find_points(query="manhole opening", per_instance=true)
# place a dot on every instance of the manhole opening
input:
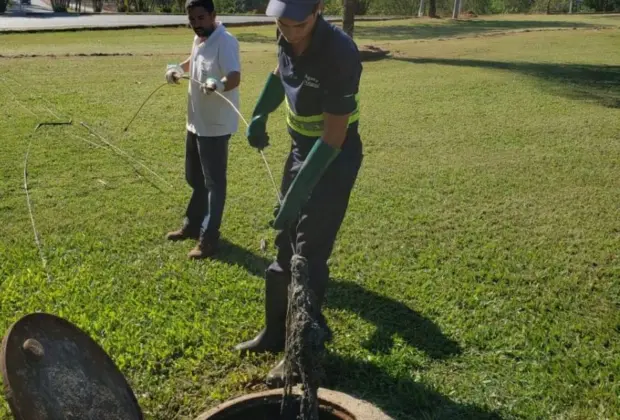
(268, 408)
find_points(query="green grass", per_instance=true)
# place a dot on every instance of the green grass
(475, 276)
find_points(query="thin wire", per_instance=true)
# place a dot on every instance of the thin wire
(41, 98)
(271, 177)
(27, 190)
(115, 148)
(145, 101)
(273, 181)
(34, 228)
(122, 152)
(25, 172)
(87, 141)
(18, 101)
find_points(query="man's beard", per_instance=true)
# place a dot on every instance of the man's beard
(204, 32)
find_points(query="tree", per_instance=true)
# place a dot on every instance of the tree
(348, 16)
(421, 9)
(3, 6)
(456, 9)
(60, 5)
(432, 8)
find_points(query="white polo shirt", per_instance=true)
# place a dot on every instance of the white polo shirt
(218, 55)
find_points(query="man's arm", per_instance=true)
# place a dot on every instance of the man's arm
(335, 129)
(185, 64)
(230, 64)
(231, 80)
(341, 87)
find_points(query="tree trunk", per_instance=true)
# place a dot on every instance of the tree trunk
(348, 16)
(421, 9)
(432, 8)
(456, 9)
(570, 6)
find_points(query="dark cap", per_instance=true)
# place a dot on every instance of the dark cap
(297, 10)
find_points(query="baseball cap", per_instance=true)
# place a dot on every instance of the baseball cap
(297, 10)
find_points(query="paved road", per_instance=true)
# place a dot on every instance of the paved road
(39, 17)
(51, 21)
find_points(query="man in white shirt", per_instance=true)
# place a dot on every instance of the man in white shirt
(213, 65)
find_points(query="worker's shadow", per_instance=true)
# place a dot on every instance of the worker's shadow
(401, 397)
(398, 396)
(389, 316)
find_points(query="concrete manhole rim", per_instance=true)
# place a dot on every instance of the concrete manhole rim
(357, 408)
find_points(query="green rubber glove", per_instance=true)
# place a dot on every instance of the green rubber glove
(319, 158)
(269, 100)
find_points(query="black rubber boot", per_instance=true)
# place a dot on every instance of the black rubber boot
(319, 287)
(272, 337)
(275, 377)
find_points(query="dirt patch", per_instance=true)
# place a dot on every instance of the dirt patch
(372, 53)
(467, 15)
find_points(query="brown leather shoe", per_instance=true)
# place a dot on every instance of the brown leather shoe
(182, 234)
(203, 249)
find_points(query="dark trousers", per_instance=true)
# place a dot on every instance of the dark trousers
(206, 161)
(314, 233)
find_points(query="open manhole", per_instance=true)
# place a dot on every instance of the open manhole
(333, 405)
(51, 369)
(267, 407)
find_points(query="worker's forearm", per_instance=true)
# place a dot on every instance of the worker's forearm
(185, 64)
(231, 80)
(335, 129)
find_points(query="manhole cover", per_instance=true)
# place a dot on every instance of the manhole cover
(52, 370)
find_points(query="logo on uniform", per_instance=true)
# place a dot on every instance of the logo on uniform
(311, 82)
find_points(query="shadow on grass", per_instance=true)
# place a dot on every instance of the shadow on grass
(455, 28)
(388, 315)
(391, 317)
(233, 254)
(438, 30)
(605, 16)
(588, 82)
(253, 37)
(400, 397)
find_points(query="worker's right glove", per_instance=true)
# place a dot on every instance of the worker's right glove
(269, 100)
(174, 72)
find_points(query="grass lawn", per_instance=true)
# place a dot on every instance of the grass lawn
(476, 274)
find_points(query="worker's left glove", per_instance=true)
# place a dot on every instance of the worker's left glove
(317, 161)
(212, 85)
